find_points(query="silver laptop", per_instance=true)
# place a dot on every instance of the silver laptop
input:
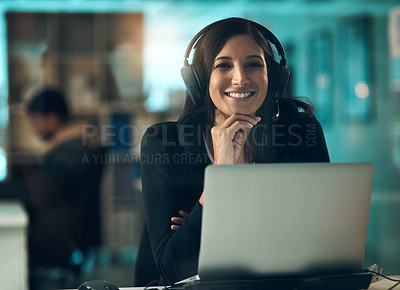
(269, 220)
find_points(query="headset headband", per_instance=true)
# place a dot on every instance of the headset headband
(269, 36)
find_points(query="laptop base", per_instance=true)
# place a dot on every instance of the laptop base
(334, 282)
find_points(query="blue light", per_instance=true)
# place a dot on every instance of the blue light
(4, 117)
(3, 114)
(3, 164)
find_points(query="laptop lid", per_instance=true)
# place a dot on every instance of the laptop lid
(263, 220)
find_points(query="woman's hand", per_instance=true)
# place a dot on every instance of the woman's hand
(178, 220)
(229, 136)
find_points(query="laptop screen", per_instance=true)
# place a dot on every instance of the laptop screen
(262, 220)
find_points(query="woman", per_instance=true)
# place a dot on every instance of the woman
(238, 120)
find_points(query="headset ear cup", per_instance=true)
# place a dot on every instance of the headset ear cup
(273, 76)
(190, 80)
(201, 82)
(284, 75)
(278, 78)
(192, 77)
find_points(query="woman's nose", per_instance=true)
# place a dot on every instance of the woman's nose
(239, 77)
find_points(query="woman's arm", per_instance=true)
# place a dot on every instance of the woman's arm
(165, 192)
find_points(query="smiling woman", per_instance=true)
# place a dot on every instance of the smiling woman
(236, 112)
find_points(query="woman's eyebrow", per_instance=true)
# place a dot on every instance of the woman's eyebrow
(223, 57)
(247, 57)
(254, 56)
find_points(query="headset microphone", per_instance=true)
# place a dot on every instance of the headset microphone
(275, 117)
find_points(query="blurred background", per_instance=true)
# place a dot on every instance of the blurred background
(118, 62)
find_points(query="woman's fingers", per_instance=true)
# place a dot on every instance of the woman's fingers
(178, 220)
(174, 227)
(239, 137)
(183, 213)
(227, 120)
(223, 134)
(239, 117)
(239, 126)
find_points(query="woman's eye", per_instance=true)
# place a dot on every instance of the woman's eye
(222, 65)
(255, 64)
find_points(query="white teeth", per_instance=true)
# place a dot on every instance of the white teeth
(239, 95)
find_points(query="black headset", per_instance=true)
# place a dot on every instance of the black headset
(191, 73)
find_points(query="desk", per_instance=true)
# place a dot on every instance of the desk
(13, 246)
(385, 284)
(381, 285)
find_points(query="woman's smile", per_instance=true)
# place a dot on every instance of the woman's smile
(239, 95)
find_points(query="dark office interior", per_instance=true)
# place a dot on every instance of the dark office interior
(118, 63)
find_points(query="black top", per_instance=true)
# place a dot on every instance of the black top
(64, 192)
(174, 156)
(75, 171)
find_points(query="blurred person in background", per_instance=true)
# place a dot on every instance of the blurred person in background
(64, 189)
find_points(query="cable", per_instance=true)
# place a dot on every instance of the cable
(383, 276)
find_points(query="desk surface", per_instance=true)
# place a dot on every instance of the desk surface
(385, 284)
(381, 285)
(12, 214)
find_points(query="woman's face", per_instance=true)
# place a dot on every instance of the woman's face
(239, 78)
